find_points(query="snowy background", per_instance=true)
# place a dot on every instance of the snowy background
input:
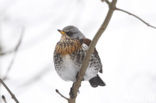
(127, 50)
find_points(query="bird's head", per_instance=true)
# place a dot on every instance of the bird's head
(72, 31)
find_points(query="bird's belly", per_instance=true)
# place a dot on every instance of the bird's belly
(69, 70)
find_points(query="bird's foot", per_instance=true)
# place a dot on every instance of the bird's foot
(77, 75)
(71, 93)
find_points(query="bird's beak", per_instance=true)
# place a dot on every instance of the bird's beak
(62, 32)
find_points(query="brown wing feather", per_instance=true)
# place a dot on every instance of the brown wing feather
(87, 42)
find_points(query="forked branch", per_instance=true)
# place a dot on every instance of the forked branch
(84, 66)
(112, 8)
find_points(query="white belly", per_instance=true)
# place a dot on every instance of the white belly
(69, 69)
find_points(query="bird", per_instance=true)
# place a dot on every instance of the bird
(69, 54)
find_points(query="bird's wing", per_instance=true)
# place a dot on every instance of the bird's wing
(87, 42)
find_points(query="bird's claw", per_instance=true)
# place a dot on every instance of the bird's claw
(71, 93)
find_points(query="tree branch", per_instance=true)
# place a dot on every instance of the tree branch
(7, 52)
(6, 87)
(106, 1)
(92, 45)
(112, 8)
(4, 99)
(143, 21)
(15, 53)
(17, 46)
(57, 91)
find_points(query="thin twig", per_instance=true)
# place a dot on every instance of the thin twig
(92, 45)
(106, 1)
(15, 53)
(17, 46)
(7, 52)
(136, 17)
(57, 91)
(12, 95)
(4, 99)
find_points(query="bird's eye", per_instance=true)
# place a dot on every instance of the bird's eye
(69, 33)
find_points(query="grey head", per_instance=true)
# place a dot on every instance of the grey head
(73, 32)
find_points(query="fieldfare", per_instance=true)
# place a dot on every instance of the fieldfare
(69, 54)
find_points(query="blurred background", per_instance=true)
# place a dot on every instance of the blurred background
(28, 35)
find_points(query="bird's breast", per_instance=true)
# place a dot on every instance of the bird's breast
(67, 46)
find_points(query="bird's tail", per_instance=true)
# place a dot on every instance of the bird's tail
(96, 81)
